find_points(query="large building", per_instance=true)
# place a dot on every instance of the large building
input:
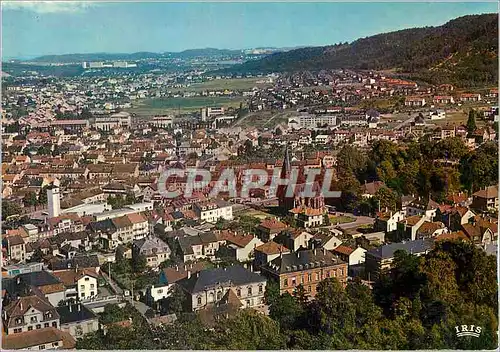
(307, 268)
(210, 286)
(162, 121)
(311, 121)
(212, 211)
(108, 123)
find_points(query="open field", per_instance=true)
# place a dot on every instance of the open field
(150, 107)
(340, 219)
(257, 214)
(265, 119)
(242, 84)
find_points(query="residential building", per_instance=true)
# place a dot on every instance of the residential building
(43, 339)
(153, 249)
(381, 258)
(29, 313)
(305, 267)
(267, 252)
(80, 284)
(270, 228)
(212, 211)
(209, 286)
(486, 199)
(77, 320)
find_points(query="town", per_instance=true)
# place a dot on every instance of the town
(386, 231)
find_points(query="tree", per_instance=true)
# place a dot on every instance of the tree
(42, 196)
(471, 121)
(250, 330)
(29, 199)
(10, 208)
(139, 263)
(386, 197)
(287, 311)
(113, 313)
(175, 303)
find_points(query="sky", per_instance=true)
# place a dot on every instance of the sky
(30, 29)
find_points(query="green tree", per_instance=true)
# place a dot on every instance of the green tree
(10, 208)
(30, 199)
(471, 121)
(175, 303)
(139, 263)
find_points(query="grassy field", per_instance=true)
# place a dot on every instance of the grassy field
(150, 107)
(340, 219)
(229, 84)
(265, 119)
(257, 214)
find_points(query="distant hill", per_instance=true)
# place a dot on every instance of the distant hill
(207, 52)
(463, 51)
(78, 58)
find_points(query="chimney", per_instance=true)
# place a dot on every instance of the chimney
(189, 274)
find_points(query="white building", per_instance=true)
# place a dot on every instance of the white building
(437, 115)
(162, 121)
(311, 121)
(54, 202)
(212, 211)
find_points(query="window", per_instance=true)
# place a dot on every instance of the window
(87, 279)
(261, 288)
(238, 292)
(49, 315)
(294, 281)
(248, 303)
(82, 295)
(55, 344)
(199, 300)
(341, 272)
(308, 288)
(38, 326)
(41, 347)
(249, 291)
(34, 319)
(219, 295)
(82, 287)
(160, 291)
(309, 277)
(92, 293)
(30, 328)
(92, 285)
(334, 273)
(317, 276)
(285, 282)
(46, 325)
(211, 297)
(54, 324)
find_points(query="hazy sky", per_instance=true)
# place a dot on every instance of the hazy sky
(31, 29)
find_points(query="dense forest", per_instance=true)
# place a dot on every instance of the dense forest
(463, 51)
(414, 306)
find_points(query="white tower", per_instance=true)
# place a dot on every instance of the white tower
(54, 202)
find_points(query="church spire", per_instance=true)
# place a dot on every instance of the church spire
(286, 168)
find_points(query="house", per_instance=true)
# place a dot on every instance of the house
(470, 97)
(388, 221)
(415, 101)
(369, 189)
(325, 240)
(480, 232)
(46, 338)
(81, 261)
(267, 252)
(305, 267)
(153, 249)
(212, 211)
(203, 245)
(16, 248)
(43, 282)
(456, 217)
(241, 246)
(350, 255)
(209, 286)
(29, 313)
(294, 239)
(77, 320)
(443, 99)
(381, 258)
(431, 229)
(308, 217)
(452, 236)
(486, 199)
(437, 114)
(421, 206)
(408, 227)
(269, 228)
(80, 284)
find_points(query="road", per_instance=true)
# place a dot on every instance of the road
(360, 220)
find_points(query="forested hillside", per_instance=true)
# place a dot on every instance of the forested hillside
(463, 51)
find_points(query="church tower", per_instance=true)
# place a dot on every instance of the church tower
(285, 202)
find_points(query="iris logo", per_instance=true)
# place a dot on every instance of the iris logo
(468, 330)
